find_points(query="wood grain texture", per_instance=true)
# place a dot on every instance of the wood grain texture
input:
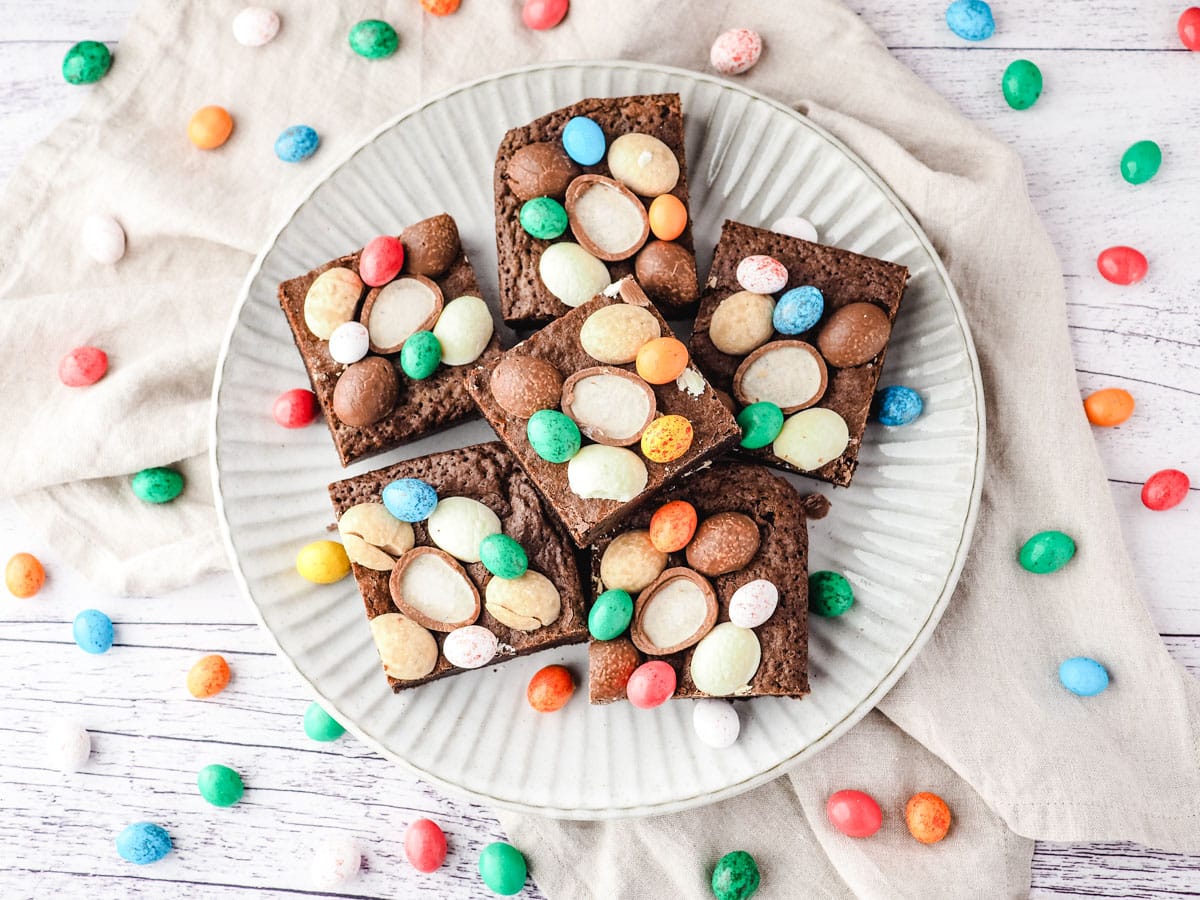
(1115, 73)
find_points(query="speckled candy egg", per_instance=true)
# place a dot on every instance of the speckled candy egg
(323, 562)
(543, 218)
(86, 62)
(1046, 552)
(1165, 489)
(716, 723)
(1109, 407)
(672, 526)
(753, 603)
(83, 366)
(553, 436)
(971, 20)
(24, 575)
(927, 817)
(1122, 265)
(762, 274)
(220, 785)
(297, 143)
(1083, 676)
(373, 39)
(410, 499)
(651, 684)
(735, 51)
(610, 615)
(208, 677)
(666, 439)
(143, 843)
(502, 556)
(897, 405)
(335, 862)
(425, 845)
(255, 26)
(93, 631)
(829, 594)
(470, 647)
(349, 343)
(798, 310)
(735, 876)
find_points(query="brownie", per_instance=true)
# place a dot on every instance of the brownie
(714, 429)
(524, 300)
(423, 407)
(782, 558)
(487, 473)
(843, 278)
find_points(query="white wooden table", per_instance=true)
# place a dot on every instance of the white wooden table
(1115, 73)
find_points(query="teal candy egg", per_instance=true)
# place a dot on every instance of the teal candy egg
(760, 423)
(420, 355)
(143, 842)
(735, 877)
(373, 39)
(502, 556)
(220, 785)
(502, 868)
(544, 218)
(829, 594)
(553, 436)
(1022, 84)
(320, 725)
(1083, 676)
(157, 485)
(1046, 552)
(86, 62)
(1140, 162)
(610, 615)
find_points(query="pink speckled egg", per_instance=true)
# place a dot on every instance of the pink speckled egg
(470, 647)
(651, 684)
(762, 274)
(753, 603)
(736, 51)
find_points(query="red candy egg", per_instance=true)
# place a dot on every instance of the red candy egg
(854, 813)
(651, 684)
(425, 845)
(1189, 27)
(542, 14)
(295, 408)
(381, 260)
(82, 366)
(1165, 489)
(1122, 265)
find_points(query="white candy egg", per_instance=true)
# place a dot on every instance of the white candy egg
(716, 722)
(103, 239)
(255, 26)
(797, 227)
(68, 745)
(753, 603)
(335, 862)
(470, 647)
(349, 342)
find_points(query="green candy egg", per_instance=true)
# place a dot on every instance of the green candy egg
(735, 877)
(502, 868)
(1046, 552)
(760, 423)
(829, 594)
(610, 615)
(553, 436)
(1022, 84)
(373, 39)
(543, 218)
(502, 556)
(420, 355)
(320, 725)
(86, 62)
(157, 485)
(1140, 162)
(220, 785)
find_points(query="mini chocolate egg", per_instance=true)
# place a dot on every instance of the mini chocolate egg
(798, 310)
(631, 562)
(610, 615)
(735, 876)
(543, 218)
(584, 140)
(210, 127)
(797, 227)
(571, 273)
(644, 164)
(716, 723)
(651, 684)
(611, 663)
(599, 472)
(220, 785)
(366, 392)
(726, 660)
(24, 575)
(668, 217)
(68, 745)
(297, 143)
(425, 845)
(522, 385)
(158, 484)
(321, 726)
(971, 20)
(854, 813)
(323, 562)
(103, 238)
(1108, 407)
(812, 438)
(927, 817)
(753, 603)
(553, 436)
(255, 26)
(349, 343)
(503, 869)
(614, 334)
(1122, 265)
(762, 274)
(93, 631)
(83, 366)
(854, 334)
(667, 438)
(760, 423)
(829, 594)
(86, 62)
(336, 862)
(735, 51)
(503, 556)
(672, 526)
(606, 218)
(550, 688)
(399, 310)
(410, 499)
(421, 355)
(464, 329)
(470, 647)
(1046, 552)
(430, 246)
(667, 272)
(143, 843)
(741, 323)
(610, 405)
(540, 169)
(541, 15)
(381, 260)
(1083, 676)
(897, 405)
(662, 360)
(1165, 489)
(295, 408)
(373, 39)
(790, 374)
(724, 542)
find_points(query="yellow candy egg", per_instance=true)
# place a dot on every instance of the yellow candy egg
(666, 439)
(323, 562)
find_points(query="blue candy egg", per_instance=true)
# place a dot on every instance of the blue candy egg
(296, 143)
(971, 20)
(1083, 676)
(93, 631)
(798, 310)
(410, 499)
(143, 842)
(897, 405)
(584, 141)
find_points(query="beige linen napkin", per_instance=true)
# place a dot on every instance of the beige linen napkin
(979, 718)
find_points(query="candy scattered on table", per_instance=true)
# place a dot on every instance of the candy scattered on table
(854, 813)
(550, 688)
(1022, 84)
(323, 562)
(439, 7)
(610, 615)
(1140, 162)
(93, 631)
(410, 499)
(208, 676)
(584, 140)
(795, 226)
(543, 218)
(425, 845)
(210, 127)
(220, 785)
(335, 862)
(1046, 552)
(297, 143)
(320, 725)
(1122, 265)
(927, 817)
(143, 843)
(971, 20)
(1165, 489)
(157, 485)
(543, 14)
(1083, 676)
(86, 62)
(103, 238)
(735, 876)
(762, 274)
(68, 745)
(502, 868)
(829, 594)
(295, 408)
(374, 39)
(255, 26)
(1109, 407)
(83, 366)
(897, 405)
(24, 575)
(716, 723)
(736, 51)
(651, 684)
(1189, 27)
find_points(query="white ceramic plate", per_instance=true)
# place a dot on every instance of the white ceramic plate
(900, 533)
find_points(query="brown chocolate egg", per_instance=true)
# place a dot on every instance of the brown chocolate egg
(723, 543)
(430, 246)
(524, 384)
(541, 169)
(610, 663)
(366, 392)
(667, 273)
(854, 334)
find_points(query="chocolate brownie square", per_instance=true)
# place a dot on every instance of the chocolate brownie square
(751, 528)
(488, 474)
(825, 375)
(676, 425)
(434, 263)
(532, 164)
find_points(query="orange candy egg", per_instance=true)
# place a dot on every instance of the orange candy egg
(668, 217)
(662, 360)
(440, 7)
(672, 526)
(210, 127)
(550, 688)
(1109, 407)
(666, 439)
(927, 817)
(208, 677)
(24, 575)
